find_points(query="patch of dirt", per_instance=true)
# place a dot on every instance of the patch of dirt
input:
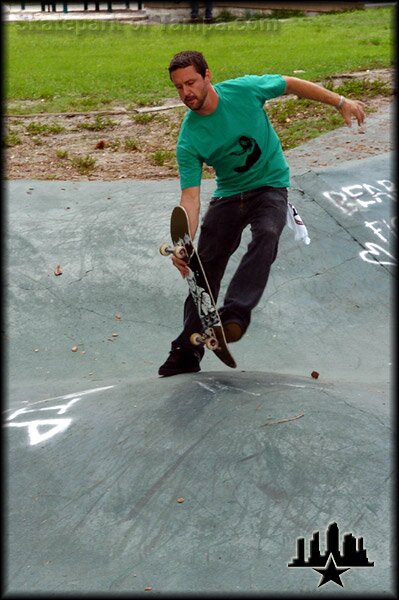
(132, 146)
(119, 144)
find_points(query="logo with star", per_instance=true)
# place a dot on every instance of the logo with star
(331, 572)
(332, 563)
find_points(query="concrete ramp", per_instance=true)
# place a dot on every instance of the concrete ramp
(121, 481)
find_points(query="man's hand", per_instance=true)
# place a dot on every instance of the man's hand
(352, 109)
(181, 265)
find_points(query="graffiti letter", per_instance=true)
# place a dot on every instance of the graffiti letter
(376, 230)
(376, 250)
(35, 437)
(340, 200)
(388, 185)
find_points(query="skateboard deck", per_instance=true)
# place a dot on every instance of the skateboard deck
(212, 334)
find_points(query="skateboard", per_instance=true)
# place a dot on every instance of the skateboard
(212, 334)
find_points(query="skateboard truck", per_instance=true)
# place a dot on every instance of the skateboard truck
(210, 341)
(178, 251)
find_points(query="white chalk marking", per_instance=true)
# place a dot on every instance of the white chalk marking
(35, 437)
(376, 250)
(56, 425)
(68, 396)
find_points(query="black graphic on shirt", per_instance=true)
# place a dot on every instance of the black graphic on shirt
(251, 149)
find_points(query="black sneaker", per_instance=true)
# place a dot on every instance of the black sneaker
(180, 360)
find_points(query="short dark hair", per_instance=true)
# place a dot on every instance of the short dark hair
(189, 58)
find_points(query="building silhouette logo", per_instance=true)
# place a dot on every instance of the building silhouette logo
(332, 563)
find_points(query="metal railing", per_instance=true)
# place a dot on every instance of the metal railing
(53, 6)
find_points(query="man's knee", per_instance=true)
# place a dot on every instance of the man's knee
(268, 234)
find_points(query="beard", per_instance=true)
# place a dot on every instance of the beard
(195, 102)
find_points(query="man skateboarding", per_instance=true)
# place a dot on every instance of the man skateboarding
(228, 128)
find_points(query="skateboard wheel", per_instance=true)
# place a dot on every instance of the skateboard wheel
(196, 339)
(212, 343)
(180, 252)
(164, 249)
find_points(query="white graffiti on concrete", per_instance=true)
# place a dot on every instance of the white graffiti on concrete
(51, 426)
(361, 197)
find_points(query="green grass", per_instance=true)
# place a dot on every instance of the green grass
(130, 144)
(143, 118)
(35, 128)
(11, 138)
(84, 164)
(61, 154)
(159, 157)
(85, 65)
(98, 124)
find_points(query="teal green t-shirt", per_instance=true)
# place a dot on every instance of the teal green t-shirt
(237, 139)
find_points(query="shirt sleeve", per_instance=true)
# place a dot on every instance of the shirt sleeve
(190, 167)
(267, 86)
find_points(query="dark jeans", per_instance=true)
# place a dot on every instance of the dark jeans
(265, 210)
(195, 9)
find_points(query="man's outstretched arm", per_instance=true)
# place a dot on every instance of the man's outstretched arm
(306, 89)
